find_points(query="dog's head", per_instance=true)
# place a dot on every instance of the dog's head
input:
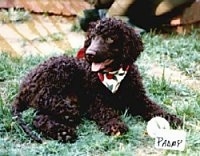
(111, 44)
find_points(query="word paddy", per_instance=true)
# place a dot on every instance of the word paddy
(170, 139)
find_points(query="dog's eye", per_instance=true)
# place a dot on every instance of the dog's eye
(109, 40)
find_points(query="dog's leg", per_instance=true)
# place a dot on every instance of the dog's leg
(148, 109)
(151, 109)
(51, 127)
(58, 114)
(107, 118)
(141, 104)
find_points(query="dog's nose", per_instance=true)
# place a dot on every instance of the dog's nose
(89, 56)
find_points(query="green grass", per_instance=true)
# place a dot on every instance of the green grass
(175, 98)
(182, 51)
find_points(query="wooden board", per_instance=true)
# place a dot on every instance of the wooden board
(57, 7)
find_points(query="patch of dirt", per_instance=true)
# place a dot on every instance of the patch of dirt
(174, 75)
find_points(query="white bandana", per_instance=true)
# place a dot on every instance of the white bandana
(112, 80)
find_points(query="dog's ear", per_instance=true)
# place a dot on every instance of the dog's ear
(90, 28)
(133, 45)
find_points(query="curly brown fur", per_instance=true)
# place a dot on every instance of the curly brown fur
(63, 89)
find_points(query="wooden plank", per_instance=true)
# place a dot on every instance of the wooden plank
(58, 7)
(15, 40)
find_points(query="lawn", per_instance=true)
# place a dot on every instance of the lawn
(179, 53)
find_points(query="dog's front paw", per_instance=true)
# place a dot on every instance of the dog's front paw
(115, 127)
(174, 120)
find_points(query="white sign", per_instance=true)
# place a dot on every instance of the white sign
(170, 139)
(155, 124)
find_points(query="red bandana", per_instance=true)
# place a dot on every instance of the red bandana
(81, 53)
(112, 80)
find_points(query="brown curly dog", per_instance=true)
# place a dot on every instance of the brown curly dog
(101, 86)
